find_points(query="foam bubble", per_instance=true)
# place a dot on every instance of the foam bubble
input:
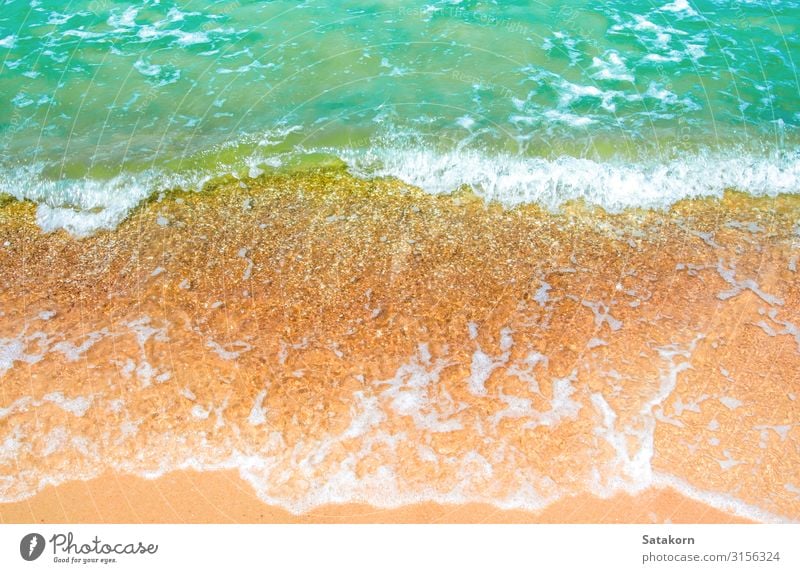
(184, 39)
(602, 315)
(16, 350)
(562, 405)
(718, 500)
(126, 19)
(57, 19)
(73, 352)
(739, 286)
(613, 185)
(730, 403)
(226, 354)
(611, 68)
(84, 206)
(409, 393)
(258, 412)
(76, 406)
(199, 412)
(480, 370)
(541, 295)
(679, 7)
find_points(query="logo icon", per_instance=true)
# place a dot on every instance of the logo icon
(31, 546)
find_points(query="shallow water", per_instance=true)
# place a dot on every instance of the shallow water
(622, 103)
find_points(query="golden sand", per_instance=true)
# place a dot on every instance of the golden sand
(223, 497)
(335, 340)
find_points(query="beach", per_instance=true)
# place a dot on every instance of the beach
(223, 497)
(320, 347)
(425, 262)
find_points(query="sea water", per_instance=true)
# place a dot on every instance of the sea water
(621, 103)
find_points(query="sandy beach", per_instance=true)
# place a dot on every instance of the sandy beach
(223, 497)
(317, 346)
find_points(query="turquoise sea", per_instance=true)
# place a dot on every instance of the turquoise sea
(637, 103)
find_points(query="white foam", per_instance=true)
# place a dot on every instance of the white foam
(146, 69)
(73, 352)
(85, 206)
(506, 340)
(184, 39)
(466, 122)
(680, 407)
(19, 404)
(54, 440)
(15, 350)
(8, 42)
(11, 350)
(249, 267)
(789, 328)
(379, 488)
(480, 370)
(561, 405)
(516, 407)
(568, 118)
(258, 413)
(144, 331)
(9, 450)
(596, 342)
(613, 185)
(602, 315)
(365, 415)
(679, 7)
(224, 352)
(636, 469)
(76, 406)
(126, 19)
(57, 19)
(738, 286)
(728, 462)
(525, 370)
(781, 430)
(730, 403)
(718, 500)
(409, 393)
(483, 365)
(21, 100)
(611, 68)
(542, 295)
(569, 44)
(176, 15)
(199, 412)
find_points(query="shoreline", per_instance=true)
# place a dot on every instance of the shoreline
(345, 339)
(223, 497)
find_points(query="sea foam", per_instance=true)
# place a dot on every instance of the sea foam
(614, 185)
(88, 205)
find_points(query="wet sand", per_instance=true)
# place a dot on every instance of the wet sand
(335, 341)
(223, 497)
